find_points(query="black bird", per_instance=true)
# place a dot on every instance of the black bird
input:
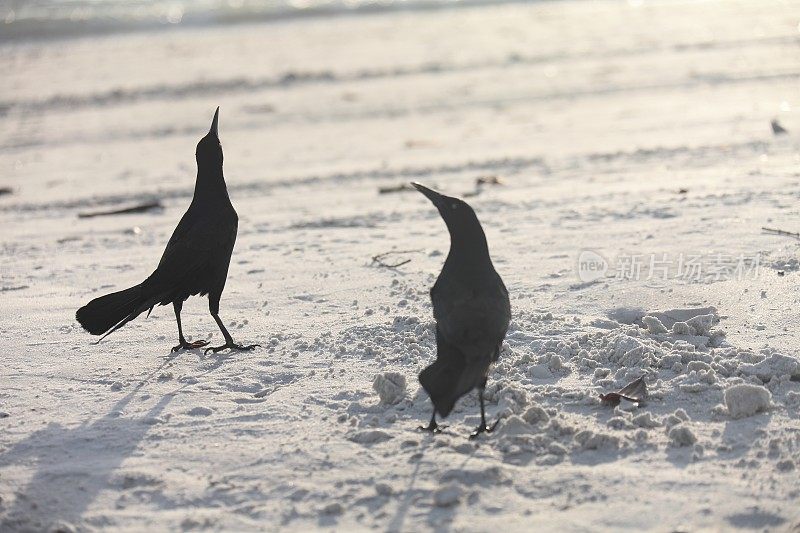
(195, 261)
(472, 312)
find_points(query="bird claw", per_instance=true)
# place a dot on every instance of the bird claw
(433, 429)
(232, 346)
(483, 429)
(189, 346)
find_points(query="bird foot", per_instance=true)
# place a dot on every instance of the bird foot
(433, 428)
(232, 346)
(483, 429)
(189, 345)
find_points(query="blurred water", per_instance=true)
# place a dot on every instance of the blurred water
(21, 19)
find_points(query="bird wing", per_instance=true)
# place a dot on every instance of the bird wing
(194, 245)
(473, 319)
(202, 231)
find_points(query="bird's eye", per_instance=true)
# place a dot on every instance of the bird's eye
(454, 206)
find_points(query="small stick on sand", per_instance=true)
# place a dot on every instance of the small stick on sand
(481, 181)
(379, 259)
(141, 208)
(489, 180)
(400, 187)
(775, 231)
(395, 188)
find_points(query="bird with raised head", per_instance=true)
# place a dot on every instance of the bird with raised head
(471, 309)
(195, 261)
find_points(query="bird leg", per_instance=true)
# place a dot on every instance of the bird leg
(184, 344)
(482, 427)
(229, 344)
(432, 427)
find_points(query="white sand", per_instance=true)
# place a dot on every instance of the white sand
(744, 399)
(595, 114)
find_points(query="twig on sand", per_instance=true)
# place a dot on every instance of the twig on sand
(395, 188)
(489, 180)
(141, 208)
(380, 258)
(401, 187)
(775, 231)
(481, 182)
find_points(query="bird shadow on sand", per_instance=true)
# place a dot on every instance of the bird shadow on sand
(410, 494)
(73, 465)
(440, 518)
(213, 361)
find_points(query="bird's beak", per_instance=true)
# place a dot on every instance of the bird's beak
(432, 195)
(215, 124)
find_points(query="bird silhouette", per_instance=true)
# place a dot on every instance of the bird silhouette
(471, 309)
(195, 261)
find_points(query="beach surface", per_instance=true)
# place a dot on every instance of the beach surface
(636, 165)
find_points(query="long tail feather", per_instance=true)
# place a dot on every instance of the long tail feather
(108, 313)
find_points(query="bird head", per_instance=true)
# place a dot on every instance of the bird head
(209, 149)
(461, 220)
